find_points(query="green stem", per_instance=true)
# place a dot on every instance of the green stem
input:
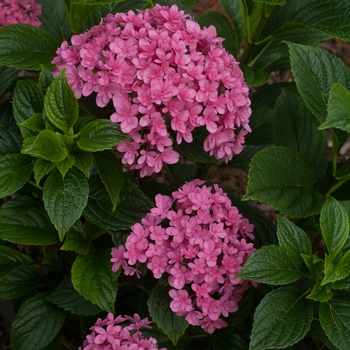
(35, 185)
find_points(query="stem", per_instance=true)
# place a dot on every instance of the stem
(35, 185)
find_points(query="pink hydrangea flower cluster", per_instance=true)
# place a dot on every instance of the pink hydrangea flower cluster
(19, 11)
(113, 334)
(200, 240)
(163, 73)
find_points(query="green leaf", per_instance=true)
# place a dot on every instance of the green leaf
(314, 264)
(45, 79)
(229, 342)
(27, 100)
(254, 76)
(35, 122)
(47, 145)
(223, 28)
(9, 142)
(65, 165)
(67, 298)
(336, 271)
(54, 19)
(261, 123)
(61, 105)
(7, 120)
(24, 46)
(315, 71)
(100, 135)
(22, 281)
(7, 77)
(327, 16)
(334, 225)
(318, 333)
(338, 115)
(111, 174)
(65, 198)
(132, 206)
(15, 170)
(41, 168)
(93, 278)
(282, 318)
(75, 241)
(335, 321)
(295, 127)
(24, 221)
(292, 237)
(272, 2)
(159, 308)
(36, 324)
(11, 259)
(83, 161)
(273, 265)
(279, 177)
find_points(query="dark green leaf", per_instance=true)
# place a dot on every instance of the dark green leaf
(61, 105)
(280, 177)
(243, 159)
(20, 282)
(318, 332)
(111, 174)
(93, 278)
(24, 221)
(9, 142)
(315, 71)
(336, 271)
(83, 161)
(6, 117)
(54, 19)
(338, 109)
(45, 79)
(159, 308)
(261, 123)
(132, 205)
(292, 237)
(272, 2)
(295, 127)
(273, 265)
(334, 225)
(282, 318)
(254, 76)
(36, 324)
(65, 198)
(335, 321)
(7, 77)
(223, 28)
(230, 341)
(100, 135)
(47, 145)
(75, 241)
(67, 298)
(41, 168)
(15, 170)
(24, 46)
(11, 259)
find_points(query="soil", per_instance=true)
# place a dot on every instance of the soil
(235, 180)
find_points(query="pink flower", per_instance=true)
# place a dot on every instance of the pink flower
(164, 73)
(198, 240)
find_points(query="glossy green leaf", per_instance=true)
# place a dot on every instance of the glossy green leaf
(35, 122)
(11, 259)
(338, 115)
(315, 71)
(159, 308)
(132, 206)
(334, 225)
(254, 76)
(65, 198)
(111, 174)
(223, 28)
(24, 46)
(65, 165)
(273, 265)
(335, 321)
(279, 177)
(24, 221)
(15, 170)
(41, 168)
(292, 237)
(47, 145)
(100, 135)
(10, 142)
(295, 127)
(36, 324)
(67, 298)
(54, 19)
(75, 241)
(7, 77)
(61, 105)
(282, 318)
(22, 281)
(93, 278)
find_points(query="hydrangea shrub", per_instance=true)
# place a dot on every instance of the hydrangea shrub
(123, 126)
